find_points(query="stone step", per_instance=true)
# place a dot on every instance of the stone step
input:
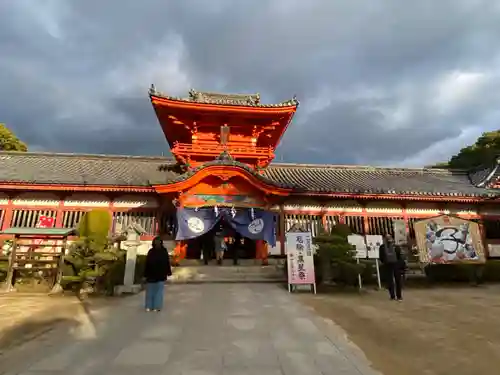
(228, 274)
(229, 262)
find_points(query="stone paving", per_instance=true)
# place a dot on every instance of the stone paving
(206, 329)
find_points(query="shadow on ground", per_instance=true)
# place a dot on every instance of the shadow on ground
(31, 329)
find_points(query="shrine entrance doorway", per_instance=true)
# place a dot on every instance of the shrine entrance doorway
(238, 246)
(230, 193)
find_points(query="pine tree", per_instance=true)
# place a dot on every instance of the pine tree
(336, 256)
(92, 255)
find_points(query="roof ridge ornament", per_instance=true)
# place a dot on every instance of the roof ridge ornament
(224, 156)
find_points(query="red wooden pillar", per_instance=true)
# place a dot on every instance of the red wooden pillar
(282, 229)
(157, 221)
(366, 222)
(324, 222)
(111, 210)
(59, 214)
(7, 217)
(261, 251)
(179, 252)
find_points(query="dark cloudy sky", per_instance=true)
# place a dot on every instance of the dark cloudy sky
(386, 82)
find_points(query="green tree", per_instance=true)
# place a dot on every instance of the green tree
(93, 255)
(484, 151)
(9, 141)
(336, 256)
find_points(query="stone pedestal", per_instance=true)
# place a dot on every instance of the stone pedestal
(130, 245)
(128, 279)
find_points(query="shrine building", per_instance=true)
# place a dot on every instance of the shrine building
(222, 166)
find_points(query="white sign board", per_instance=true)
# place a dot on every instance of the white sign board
(300, 260)
(373, 242)
(359, 243)
(366, 246)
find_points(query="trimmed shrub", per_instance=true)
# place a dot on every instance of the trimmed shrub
(336, 257)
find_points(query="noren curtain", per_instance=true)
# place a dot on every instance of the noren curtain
(255, 224)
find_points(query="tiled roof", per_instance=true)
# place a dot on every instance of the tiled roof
(485, 176)
(376, 180)
(246, 100)
(78, 169)
(43, 168)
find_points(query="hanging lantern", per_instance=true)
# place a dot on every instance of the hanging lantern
(233, 212)
(252, 213)
(216, 209)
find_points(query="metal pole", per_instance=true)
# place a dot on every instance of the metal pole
(378, 273)
(360, 282)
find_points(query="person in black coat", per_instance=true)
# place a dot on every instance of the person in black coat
(156, 271)
(392, 266)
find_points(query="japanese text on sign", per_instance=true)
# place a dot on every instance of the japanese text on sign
(300, 258)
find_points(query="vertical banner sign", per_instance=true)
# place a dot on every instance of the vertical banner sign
(300, 259)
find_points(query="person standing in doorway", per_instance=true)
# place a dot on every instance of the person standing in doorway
(236, 248)
(156, 272)
(391, 258)
(220, 247)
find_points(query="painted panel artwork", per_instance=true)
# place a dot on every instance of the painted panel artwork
(448, 239)
(209, 200)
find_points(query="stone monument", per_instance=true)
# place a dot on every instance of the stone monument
(132, 234)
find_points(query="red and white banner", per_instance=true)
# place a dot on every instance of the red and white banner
(300, 259)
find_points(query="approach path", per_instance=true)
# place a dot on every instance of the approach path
(205, 329)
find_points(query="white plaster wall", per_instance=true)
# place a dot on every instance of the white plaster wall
(135, 201)
(297, 208)
(461, 209)
(4, 198)
(384, 207)
(422, 208)
(343, 206)
(87, 200)
(36, 199)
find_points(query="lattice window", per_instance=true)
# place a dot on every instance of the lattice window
(29, 218)
(356, 223)
(382, 225)
(311, 223)
(167, 223)
(146, 219)
(71, 219)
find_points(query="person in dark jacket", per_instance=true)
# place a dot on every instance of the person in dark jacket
(392, 266)
(156, 271)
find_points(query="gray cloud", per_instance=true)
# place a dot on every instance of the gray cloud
(381, 82)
